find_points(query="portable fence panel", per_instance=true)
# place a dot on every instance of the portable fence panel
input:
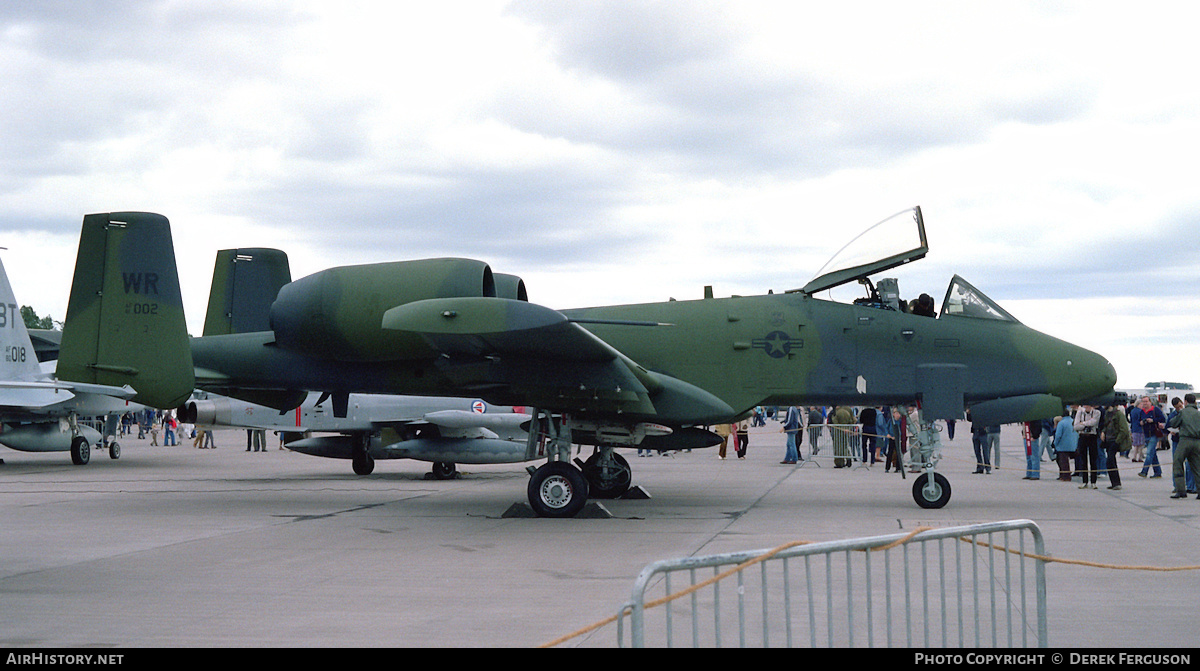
(831, 441)
(954, 587)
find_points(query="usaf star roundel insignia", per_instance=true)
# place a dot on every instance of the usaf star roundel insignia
(777, 344)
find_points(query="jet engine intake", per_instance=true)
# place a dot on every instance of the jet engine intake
(336, 313)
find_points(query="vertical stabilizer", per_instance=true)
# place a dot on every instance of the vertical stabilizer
(18, 361)
(244, 285)
(125, 321)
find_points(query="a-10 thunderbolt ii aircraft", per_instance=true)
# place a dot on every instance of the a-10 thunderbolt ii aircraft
(647, 375)
(442, 431)
(39, 413)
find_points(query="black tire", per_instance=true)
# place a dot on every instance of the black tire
(935, 499)
(114, 450)
(609, 485)
(361, 460)
(444, 470)
(363, 465)
(557, 489)
(81, 451)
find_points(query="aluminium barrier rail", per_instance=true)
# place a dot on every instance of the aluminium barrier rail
(830, 442)
(968, 586)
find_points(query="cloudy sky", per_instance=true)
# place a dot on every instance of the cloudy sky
(614, 152)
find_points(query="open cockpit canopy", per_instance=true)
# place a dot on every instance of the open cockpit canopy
(893, 242)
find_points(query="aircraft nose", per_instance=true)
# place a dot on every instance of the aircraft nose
(1093, 377)
(1073, 373)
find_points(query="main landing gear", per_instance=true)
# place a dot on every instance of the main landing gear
(81, 451)
(608, 473)
(560, 488)
(360, 456)
(81, 448)
(557, 489)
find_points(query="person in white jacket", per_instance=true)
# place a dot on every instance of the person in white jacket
(1087, 425)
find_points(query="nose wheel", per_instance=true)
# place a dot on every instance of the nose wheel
(931, 493)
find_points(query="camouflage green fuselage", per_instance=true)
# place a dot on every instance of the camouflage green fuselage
(744, 351)
(450, 327)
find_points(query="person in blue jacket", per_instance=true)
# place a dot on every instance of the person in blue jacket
(1065, 443)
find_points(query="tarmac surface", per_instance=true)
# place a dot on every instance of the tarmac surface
(172, 547)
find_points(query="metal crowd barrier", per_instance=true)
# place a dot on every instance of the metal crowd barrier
(931, 590)
(832, 441)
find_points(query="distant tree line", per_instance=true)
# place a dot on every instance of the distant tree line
(32, 321)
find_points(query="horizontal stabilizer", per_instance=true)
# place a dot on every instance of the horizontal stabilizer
(125, 393)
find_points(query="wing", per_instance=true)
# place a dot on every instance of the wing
(36, 395)
(522, 353)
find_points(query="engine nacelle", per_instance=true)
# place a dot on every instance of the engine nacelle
(510, 286)
(1016, 409)
(336, 313)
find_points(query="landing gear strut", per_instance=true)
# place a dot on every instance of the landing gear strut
(557, 488)
(81, 450)
(930, 489)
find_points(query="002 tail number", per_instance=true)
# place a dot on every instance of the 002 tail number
(141, 308)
